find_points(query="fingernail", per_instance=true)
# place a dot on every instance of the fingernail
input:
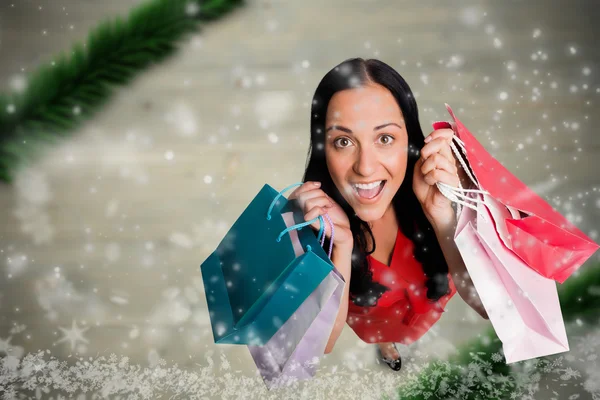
(427, 139)
(317, 183)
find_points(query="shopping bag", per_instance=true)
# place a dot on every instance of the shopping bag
(522, 305)
(293, 352)
(254, 281)
(544, 239)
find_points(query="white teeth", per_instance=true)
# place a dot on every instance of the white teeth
(368, 186)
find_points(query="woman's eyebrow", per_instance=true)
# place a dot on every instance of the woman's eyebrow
(347, 130)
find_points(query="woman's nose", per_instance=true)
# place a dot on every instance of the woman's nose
(365, 163)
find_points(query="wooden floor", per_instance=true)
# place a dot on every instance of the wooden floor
(109, 229)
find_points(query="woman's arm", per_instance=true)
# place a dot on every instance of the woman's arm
(341, 258)
(458, 270)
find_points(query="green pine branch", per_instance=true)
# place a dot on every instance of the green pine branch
(479, 370)
(63, 93)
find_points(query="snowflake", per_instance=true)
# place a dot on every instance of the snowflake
(73, 335)
(569, 374)
(497, 357)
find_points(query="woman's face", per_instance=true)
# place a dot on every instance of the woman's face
(366, 144)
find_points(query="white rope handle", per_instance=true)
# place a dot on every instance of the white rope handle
(453, 193)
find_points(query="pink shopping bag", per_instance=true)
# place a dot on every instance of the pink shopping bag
(522, 305)
(498, 238)
(545, 240)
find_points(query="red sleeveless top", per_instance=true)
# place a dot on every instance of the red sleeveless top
(403, 313)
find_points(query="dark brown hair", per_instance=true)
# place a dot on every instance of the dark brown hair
(414, 225)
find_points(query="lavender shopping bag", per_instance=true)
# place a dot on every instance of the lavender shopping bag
(293, 352)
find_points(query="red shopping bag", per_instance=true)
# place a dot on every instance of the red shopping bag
(545, 240)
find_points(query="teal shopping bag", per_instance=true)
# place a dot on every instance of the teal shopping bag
(253, 281)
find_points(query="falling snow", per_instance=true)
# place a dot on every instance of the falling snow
(94, 287)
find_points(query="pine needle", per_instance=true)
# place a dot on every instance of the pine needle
(60, 95)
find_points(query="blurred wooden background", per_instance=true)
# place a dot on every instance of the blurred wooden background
(109, 229)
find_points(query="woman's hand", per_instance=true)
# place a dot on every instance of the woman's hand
(436, 164)
(314, 202)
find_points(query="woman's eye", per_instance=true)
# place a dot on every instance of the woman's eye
(341, 142)
(389, 139)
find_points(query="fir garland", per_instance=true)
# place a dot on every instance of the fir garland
(61, 94)
(479, 371)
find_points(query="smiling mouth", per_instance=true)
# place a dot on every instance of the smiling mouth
(369, 193)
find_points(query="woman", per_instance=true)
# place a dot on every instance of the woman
(371, 170)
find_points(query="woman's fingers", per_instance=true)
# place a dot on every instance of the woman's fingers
(313, 201)
(439, 175)
(319, 201)
(305, 187)
(445, 133)
(314, 213)
(309, 194)
(438, 161)
(439, 145)
(311, 198)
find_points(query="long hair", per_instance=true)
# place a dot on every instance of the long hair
(357, 72)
